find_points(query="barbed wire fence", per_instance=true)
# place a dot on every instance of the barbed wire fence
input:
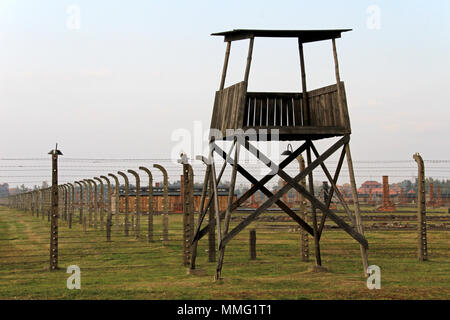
(29, 171)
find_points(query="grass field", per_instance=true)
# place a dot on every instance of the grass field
(127, 268)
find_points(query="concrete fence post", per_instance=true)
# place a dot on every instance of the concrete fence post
(127, 204)
(187, 194)
(89, 201)
(101, 206)
(54, 210)
(95, 202)
(304, 243)
(72, 203)
(150, 203)
(80, 201)
(165, 204)
(137, 203)
(421, 209)
(117, 200)
(109, 209)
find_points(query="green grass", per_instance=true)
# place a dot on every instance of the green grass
(127, 268)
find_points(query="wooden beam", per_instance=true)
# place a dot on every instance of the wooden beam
(293, 182)
(249, 60)
(285, 189)
(305, 109)
(257, 186)
(225, 66)
(336, 176)
(335, 189)
(260, 186)
(313, 209)
(228, 211)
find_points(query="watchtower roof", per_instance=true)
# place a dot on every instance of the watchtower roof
(303, 35)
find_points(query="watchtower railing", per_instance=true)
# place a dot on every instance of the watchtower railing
(236, 109)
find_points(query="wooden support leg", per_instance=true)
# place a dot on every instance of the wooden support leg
(212, 224)
(293, 183)
(200, 217)
(228, 212)
(358, 220)
(216, 198)
(314, 213)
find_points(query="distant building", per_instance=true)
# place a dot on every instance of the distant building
(175, 198)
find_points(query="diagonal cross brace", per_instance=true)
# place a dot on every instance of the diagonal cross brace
(293, 183)
(302, 190)
(256, 185)
(269, 194)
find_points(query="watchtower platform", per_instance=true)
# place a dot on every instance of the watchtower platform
(315, 114)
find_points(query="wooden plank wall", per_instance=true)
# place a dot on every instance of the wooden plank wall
(228, 109)
(234, 108)
(324, 107)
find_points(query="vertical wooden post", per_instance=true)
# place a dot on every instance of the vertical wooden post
(252, 244)
(215, 197)
(314, 213)
(338, 82)
(421, 210)
(199, 221)
(225, 66)
(228, 212)
(358, 220)
(212, 223)
(54, 211)
(249, 60)
(304, 242)
(305, 108)
(165, 205)
(127, 205)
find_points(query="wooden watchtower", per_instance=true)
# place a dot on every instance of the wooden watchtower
(306, 116)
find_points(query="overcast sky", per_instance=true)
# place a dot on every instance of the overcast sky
(121, 81)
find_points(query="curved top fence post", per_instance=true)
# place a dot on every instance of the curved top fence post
(101, 201)
(127, 188)
(109, 210)
(165, 204)
(150, 202)
(138, 202)
(117, 199)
